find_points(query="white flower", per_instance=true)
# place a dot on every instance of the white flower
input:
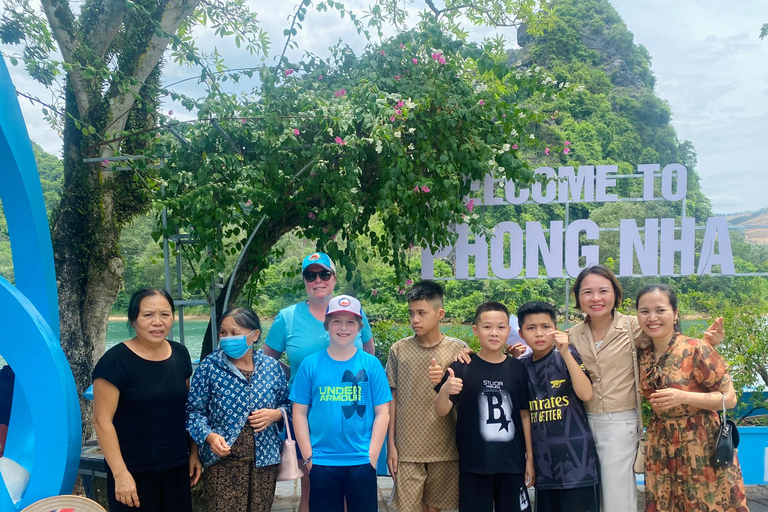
(354, 190)
(532, 136)
(505, 148)
(409, 104)
(480, 88)
(501, 169)
(379, 147)
(398, 134)
(330, 131)
(411, 147)
(521, 115)
(537, 69)
(513, 132)
(543, 95)
(492, 162)
(411, 130)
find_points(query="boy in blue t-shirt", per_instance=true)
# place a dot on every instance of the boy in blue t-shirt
(563, 446)
(340, 414)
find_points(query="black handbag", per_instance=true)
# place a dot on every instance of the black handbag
(726, 442)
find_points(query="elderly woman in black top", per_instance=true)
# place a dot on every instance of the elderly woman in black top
(139, 396)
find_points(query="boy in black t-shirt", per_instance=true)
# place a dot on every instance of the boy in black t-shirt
(564, 449)
(493, 424)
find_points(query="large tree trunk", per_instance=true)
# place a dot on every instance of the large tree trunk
(88, 266)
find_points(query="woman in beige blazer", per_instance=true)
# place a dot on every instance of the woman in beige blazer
(606, 340)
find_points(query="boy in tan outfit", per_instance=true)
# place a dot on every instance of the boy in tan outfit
(421, 447)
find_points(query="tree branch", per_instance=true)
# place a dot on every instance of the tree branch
(173, 14)
(102, 21)
(62, 23)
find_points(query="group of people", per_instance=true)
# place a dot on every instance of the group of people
(463, 430)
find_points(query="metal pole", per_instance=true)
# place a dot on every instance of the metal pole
(567, 279)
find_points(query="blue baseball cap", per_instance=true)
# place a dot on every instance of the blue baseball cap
(318, 258)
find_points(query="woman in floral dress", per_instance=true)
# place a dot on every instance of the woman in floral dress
(685, 381)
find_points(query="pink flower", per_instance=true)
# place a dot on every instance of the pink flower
(398, 111)
(296, 132)
(325, 230)
(392, 119)
(382, 52)
(340, 141)
(319, 77)
(397, 77)
(415, 61)
(374, 292)
(402, 45)
(402, 291)
(170, 112)
(410, 246)
(425, 189)
(567, 143)
(481, 102)
(312, 174)
(248, 203)
(416, 189)
(553, 118)
(514, 146)
(408, 282)
(105, 163)
(436, 56)
(400, 103)
(566, 150)
(243, 121)
(288, 72)
(340, 93)
(503, 115)
(441, 60)
(471, 205)
(157, 135)
(546, 151)
(311, 215)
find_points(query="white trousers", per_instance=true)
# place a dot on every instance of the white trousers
(616, 438)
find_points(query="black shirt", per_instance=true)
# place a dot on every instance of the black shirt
(563, 446)
(151, 410)
(489, 430)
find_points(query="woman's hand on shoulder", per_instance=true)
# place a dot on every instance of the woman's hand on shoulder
(219, 446)
(261, 419)
(463, 356)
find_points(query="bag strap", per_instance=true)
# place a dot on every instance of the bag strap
(635, 368)
(287, 428)
(724, 416)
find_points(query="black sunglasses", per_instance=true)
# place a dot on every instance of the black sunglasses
(310, 276)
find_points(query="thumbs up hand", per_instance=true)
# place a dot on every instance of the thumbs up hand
(454, 384)
(435, 372)
(561, 341)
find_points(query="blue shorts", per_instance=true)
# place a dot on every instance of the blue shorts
(333, 485)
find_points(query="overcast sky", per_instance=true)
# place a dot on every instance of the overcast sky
(709, 62)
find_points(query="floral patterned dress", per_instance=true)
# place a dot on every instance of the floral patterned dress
(678, 474)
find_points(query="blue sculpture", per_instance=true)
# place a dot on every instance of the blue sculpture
(45, 428)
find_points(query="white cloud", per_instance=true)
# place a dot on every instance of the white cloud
(712, 67)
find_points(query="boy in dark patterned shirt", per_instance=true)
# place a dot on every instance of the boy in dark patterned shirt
(563, 446)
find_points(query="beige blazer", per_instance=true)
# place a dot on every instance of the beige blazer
(610, 365)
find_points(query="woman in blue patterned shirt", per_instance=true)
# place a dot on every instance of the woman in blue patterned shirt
(233, 412)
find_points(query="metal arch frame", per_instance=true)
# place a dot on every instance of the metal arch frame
(45, 427)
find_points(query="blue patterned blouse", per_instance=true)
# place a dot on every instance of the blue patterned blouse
(221, 398)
